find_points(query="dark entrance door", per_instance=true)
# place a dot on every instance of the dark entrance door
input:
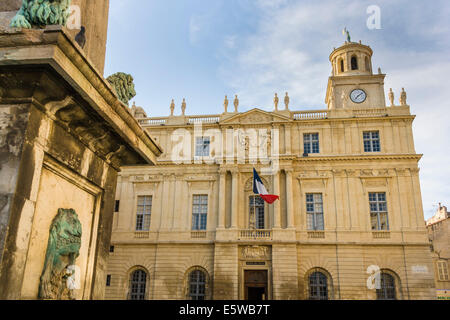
(255, 285)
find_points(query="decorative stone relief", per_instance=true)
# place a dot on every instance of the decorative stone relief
(255, 252)
(63, 248)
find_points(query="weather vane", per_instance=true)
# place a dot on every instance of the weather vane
(345, 32)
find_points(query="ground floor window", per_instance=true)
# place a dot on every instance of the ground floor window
(138, 283)
(387, 287)
(197, 285)
(318, 286)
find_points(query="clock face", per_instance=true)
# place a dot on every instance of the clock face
(358, 96)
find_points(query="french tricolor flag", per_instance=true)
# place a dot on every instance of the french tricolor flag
(258, 188)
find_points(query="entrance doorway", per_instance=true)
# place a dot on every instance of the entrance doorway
(255, 285)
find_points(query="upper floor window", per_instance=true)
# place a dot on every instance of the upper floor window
(314, 211)
(318, 286)
(143, 213)
(138, 283)
(256, 213)
(378, 211)
(341, 65)
(197, 285)
(199, 212)
(372, 141)
(311, 143)
(387, 287)
(202, 146)
(354, 62)
(116, 206)
(442, 267)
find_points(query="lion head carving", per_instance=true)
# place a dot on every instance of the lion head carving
(63, 248)
(123, 85)
(41, 12)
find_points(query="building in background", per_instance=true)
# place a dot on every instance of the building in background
(439, 234)
(349, 223)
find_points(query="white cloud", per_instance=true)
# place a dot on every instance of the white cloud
(289, 52)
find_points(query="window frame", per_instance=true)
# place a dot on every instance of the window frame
(146, 224)
(254, 216)
(369, 142)
(309, 144)
(378, 212)
(199, 283)
(200, 153)
(315, 224)
(141, 283)
(442, 265)
(197, 216)
(383, 293)
(322, 290)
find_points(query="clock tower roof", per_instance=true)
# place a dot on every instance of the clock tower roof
(352, 58)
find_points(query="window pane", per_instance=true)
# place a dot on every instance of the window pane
(138, 285)
(318, 286)
(199, 212)
(378, 211)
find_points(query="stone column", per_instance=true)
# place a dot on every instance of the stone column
(222, 198)
(234, 201)
(289, 199)
(276, 205)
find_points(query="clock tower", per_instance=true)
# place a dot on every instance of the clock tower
(352, 84)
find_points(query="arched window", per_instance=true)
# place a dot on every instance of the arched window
(341, 65)
(138, 283)
(387, 287)
(318, 286)
(354, 63)
(197, 285)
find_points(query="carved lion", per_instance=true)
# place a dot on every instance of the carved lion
(123, 85)
(41, 12)
(63, 248)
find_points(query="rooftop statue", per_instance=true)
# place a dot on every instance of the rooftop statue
(41, 13)
(346, 33)
(123, 85)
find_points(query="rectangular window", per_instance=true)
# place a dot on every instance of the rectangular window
(442, 267)
(314, 211)
(256, 214)
(144, 212)
(111, 248)
(108, 280)
(378, 211)
(372, 141)
(116, 206)
(202, 146)
(199, 212)
(311, 143)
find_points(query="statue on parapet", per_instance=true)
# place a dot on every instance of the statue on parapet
(391, 97)
(40, 13)
(225, 104)
(123, 85)
(276, 100)
(403, 97)
(287, 100)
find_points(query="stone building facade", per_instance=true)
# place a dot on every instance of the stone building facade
(349, 223)
(439, 234)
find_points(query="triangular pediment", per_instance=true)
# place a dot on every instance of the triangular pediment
(256, 116)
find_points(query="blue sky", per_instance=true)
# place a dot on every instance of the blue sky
(202, 50)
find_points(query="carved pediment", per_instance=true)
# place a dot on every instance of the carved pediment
(256, 116)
